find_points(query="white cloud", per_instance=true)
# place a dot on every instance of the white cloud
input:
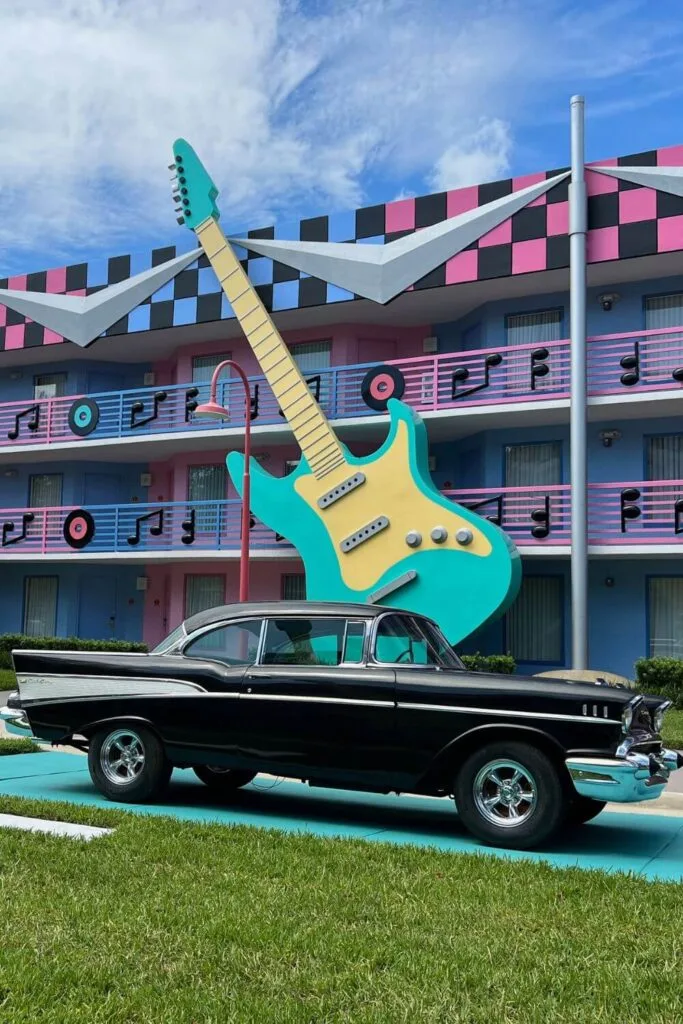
(484, 155)
(293, 104)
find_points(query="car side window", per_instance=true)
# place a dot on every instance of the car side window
(400, 641)
(235, 643)
(354, 641)
(291, 641)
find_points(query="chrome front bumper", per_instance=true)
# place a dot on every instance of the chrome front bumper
(624, 780)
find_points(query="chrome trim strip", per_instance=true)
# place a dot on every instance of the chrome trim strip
(318, 700)
(41, 701)
(504, 713)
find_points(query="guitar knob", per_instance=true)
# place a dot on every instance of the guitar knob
(439, 534)
(464, 537)
(413, 539)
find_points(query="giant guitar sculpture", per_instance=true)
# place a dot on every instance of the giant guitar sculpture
(371, 529)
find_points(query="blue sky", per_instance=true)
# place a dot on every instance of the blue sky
(308, 107)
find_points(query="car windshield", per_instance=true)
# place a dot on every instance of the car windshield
(405, 640)
(171, 641)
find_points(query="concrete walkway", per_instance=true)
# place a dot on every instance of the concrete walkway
(648, 844)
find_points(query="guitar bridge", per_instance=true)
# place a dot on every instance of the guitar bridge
(342, 489)
(365, 533)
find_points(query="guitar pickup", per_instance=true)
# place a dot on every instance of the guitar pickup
(342, 489)
(365, 533)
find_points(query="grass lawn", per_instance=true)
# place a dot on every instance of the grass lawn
(8, 680)
(673, 729)
(200, 924)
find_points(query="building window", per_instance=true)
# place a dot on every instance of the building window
(663, 311)
(49, 385)
(45, 490)
(664, 457)
(207, 483)
(203, 367)
(665, 616)
(533, 328)
(40, 605)
(202, 593)
(533, 465)
(534, 626)
(294, 587)
(312, 357)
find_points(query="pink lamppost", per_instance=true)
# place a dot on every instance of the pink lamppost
(214, 410)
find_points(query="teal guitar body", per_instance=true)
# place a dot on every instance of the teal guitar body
(459, 583)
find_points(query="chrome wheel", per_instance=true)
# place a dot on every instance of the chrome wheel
(122, 757)
(505, 793)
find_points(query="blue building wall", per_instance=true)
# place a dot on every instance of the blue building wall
(16, 384)
(83, 483)
(93, 601)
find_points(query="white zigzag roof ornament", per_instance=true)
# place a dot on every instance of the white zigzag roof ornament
(381, 272)
(664, 179)
(80, 318)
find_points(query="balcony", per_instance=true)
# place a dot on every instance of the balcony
(641, 518)
(459, 388)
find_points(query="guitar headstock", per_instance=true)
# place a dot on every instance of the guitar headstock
(194, 193)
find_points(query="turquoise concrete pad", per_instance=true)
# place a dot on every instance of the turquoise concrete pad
(650, 845)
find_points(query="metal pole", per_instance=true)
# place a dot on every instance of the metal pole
(577, 310)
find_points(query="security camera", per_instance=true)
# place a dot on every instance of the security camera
(609, 436)
(607, 300)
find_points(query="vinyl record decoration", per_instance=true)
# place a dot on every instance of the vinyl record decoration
(380, 384)
(84, 415)
(79, 528)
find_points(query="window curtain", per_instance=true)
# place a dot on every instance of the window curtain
(203, 592)
(529, 465)
(534, 329)
(311, 359)
(534, 622)
(49, 385)
(665, 457)
(294, 587)
(665, 614)
(40, 606)
(45, 490)
(207, 483)
(663, 311)
(202, 372)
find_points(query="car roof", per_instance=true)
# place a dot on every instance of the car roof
(261, 609)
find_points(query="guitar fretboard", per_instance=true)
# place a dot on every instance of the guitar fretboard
(311, 428)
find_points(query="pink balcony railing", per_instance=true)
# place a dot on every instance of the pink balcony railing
(617, 364)
(619, 514)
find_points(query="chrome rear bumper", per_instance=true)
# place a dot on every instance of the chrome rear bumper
(15, 722)
(627, 779)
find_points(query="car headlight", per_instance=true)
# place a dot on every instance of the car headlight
(658, 717)
(627, 718)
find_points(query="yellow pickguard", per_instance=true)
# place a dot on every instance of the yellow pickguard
(390, 491)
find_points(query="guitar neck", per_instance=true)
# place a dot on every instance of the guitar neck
(311, 428)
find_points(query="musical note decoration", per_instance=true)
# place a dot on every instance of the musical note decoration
(191, 403)
(315, 381)
(9, 527)
(541, 517)
(155, 531)
(631, 364)
(84, 415)
(255, 403)
(188, 526)
(462, 373)
(33, 412)
(539, 367)
(139, 406)
(380, 384)
(78, 528)
(629, 510)
(497, 500)
(677, 374)
(678, 516)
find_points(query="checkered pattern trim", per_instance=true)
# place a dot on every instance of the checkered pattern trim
(624, 220)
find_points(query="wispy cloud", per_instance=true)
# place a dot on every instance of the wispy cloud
(293, 104)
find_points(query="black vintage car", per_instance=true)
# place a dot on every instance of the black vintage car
(349, 696)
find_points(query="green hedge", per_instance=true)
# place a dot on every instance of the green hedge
(501, 663)
(18, 641)
(661, 676)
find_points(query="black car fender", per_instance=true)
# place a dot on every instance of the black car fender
(446, 762)
(90, 728)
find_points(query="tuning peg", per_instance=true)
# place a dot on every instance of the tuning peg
(180, 220)
(172, 166)
(175, 196)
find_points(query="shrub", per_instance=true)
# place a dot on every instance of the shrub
(503, 664)
(663, 676)
(18, 641)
